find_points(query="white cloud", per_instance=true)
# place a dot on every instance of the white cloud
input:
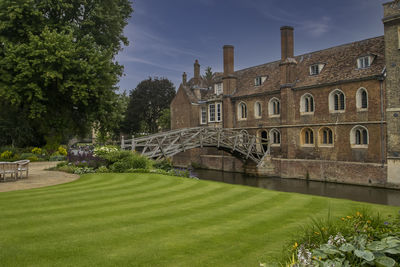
(316, 28)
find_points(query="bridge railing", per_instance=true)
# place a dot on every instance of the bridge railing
(167, 144)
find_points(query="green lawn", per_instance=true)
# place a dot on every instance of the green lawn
(153, 220)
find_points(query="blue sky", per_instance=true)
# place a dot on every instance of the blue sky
(166, 36)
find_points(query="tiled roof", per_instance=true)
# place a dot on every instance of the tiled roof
(340, 64)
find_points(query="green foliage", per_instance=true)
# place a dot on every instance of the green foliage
(57, 157)
(102, 169)
(100, 151)
(58, 70)
(6, 155)
(164, 121)
(83, 170)
(62, 151)
(358, 240)
(146, 103)
(133, 161)
(37, 151)
(33, 158)
(208, 76)
(165, 164)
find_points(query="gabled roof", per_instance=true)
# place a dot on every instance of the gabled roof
(340, 64)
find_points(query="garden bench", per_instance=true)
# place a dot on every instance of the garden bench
(23, 166)
(8, 169)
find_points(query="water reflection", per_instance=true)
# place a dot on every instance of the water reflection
(352, 192)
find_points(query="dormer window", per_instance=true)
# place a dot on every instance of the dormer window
(364, 62)
(316, 69)
(259, 80)
(218, 88)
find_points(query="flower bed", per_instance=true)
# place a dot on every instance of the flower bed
(360, 239)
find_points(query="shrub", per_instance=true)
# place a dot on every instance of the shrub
(83, 170)
(66, 168)
(356, 240)
(37, 151)
(62, 151)
(102, 169)
(56, 158)
(115, 156)
(103, 150)
(33, 158)
(6, 155)
(164, 164)
(27, 155)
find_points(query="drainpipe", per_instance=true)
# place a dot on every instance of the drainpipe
(381, 79)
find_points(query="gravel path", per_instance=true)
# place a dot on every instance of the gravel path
(38, 177)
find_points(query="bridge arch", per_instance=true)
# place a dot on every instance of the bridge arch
(237, 142)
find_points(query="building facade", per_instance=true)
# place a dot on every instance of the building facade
(329, 115)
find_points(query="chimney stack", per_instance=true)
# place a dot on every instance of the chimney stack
(196, 72)
(287, 42)
(228, 60)
(184, 78)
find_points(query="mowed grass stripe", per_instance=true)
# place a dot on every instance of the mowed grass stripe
(96, 187)
(105, 198)
(178, 222)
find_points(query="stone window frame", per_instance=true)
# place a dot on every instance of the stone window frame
(260, 143)
(203, 108)
(242, 111)
(219, 88)
(321, 137)
(210, 112)
(218, 111)
(259, 80)
(307, 137)
(316, 69)
(274, 107)
(359, 137)
(362, 63)
(361, 103)
(275, 137)
(332, 100)
(303, 101)
(257, 110)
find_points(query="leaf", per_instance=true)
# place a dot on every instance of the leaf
(385, 261)
(393, 251)
(377, 246)
(364, 254)
(347, 247)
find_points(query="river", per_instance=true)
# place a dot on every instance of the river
(353, 192)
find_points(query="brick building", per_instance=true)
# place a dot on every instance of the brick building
(329, 115)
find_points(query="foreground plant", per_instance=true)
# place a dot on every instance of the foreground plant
(356, 240)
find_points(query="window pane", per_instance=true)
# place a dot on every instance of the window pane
(212, 112)
(341, 101)
(336, 102)
(311, 137)
(365, 137)
(278, 104)
(306, 137)
(306, 104)
(330, 134)
(364, 101)
(311, 104)
(325, 137)
(358, 137)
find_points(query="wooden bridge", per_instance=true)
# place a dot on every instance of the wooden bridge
(167, 144)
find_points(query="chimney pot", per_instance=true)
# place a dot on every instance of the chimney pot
(184, 78)
(228, 59)
(287, 42)
(196, 72)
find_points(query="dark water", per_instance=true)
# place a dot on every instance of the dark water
(352, 192)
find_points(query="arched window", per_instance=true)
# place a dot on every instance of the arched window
(325, 136)
(337, 101)
(307, 136)
(359, 136)
(257, 110)
(307, 103)
(242, 111)
(362, 99)
(275, 137)
(274, 107)
(264, 140)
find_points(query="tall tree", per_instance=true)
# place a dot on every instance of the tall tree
(208, 76)
(57, 66)
(146, 103)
